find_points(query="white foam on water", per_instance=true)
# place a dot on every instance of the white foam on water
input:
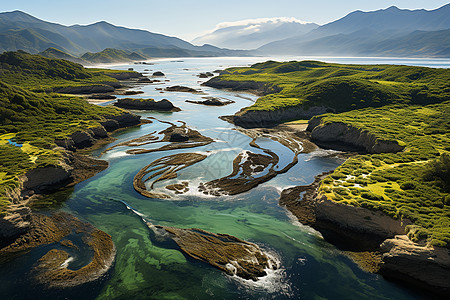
(65, 264)
(116, 154)
(211, 152)
(274, 282)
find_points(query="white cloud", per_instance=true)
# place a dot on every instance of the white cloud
(260, 21)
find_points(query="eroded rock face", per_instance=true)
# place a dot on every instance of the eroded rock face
(14, 224)
(359, 219)
(338, 132)
(42, 178)
(259, 118)
(420, 264)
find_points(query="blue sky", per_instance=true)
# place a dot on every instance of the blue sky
(189, 19)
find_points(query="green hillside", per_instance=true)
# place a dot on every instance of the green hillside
(59, 54)
(38, 73)
(339, 87)
(413, 184)
(30, 122)
(110, 55)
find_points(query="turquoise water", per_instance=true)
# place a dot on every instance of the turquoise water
(310, 268)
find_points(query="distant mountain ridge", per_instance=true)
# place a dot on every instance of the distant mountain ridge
(21, 31)
(385, 32)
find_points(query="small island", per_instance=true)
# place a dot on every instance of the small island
(146, 104)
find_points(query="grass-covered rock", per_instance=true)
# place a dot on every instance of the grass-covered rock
(412, 184)
(297, 89)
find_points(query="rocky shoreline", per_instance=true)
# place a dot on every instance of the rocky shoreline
(375, 241)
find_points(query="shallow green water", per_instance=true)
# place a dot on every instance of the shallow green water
(310, 268)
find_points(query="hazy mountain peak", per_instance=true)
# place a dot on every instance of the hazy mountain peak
(252, 33)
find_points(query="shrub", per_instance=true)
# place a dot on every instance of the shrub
(409, 185)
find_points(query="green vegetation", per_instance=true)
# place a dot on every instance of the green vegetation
(342, 87)
(30, 122)
(110, 55)
(58, 54)
(40, 74)
(413, 184)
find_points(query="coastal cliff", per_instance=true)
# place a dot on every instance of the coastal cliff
(338, 133)
(360, 231)
(265, 118)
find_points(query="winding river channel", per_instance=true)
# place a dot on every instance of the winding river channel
(310, 268)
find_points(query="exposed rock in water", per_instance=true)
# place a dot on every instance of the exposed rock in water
(171, 134)
(146, 104)
(225, 252)
(158, 74)
(211, 101)
(52, 270)
(179, 188)
(144, 80)
(128, 93)
(251, 169)
(179, 135)
(205, 75)
(338, 133)
(184, 89)
(165, 168)
(124, 75)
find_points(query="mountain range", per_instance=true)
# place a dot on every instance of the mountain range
(21, 31)
(385, 32)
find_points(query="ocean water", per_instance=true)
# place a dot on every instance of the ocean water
(310, 268)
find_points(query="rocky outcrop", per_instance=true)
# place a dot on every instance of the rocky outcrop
(205, 75)
(158, 74)
(183, 89)
(260, 88)
(418, 264)
(14, 224)
(146, 104)
(358, 219)
(124, 75)
(179, 135)
(211, 101)
(335, 133)
(45, 178)
(144, 80)
(262, 118)
(225, 252)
